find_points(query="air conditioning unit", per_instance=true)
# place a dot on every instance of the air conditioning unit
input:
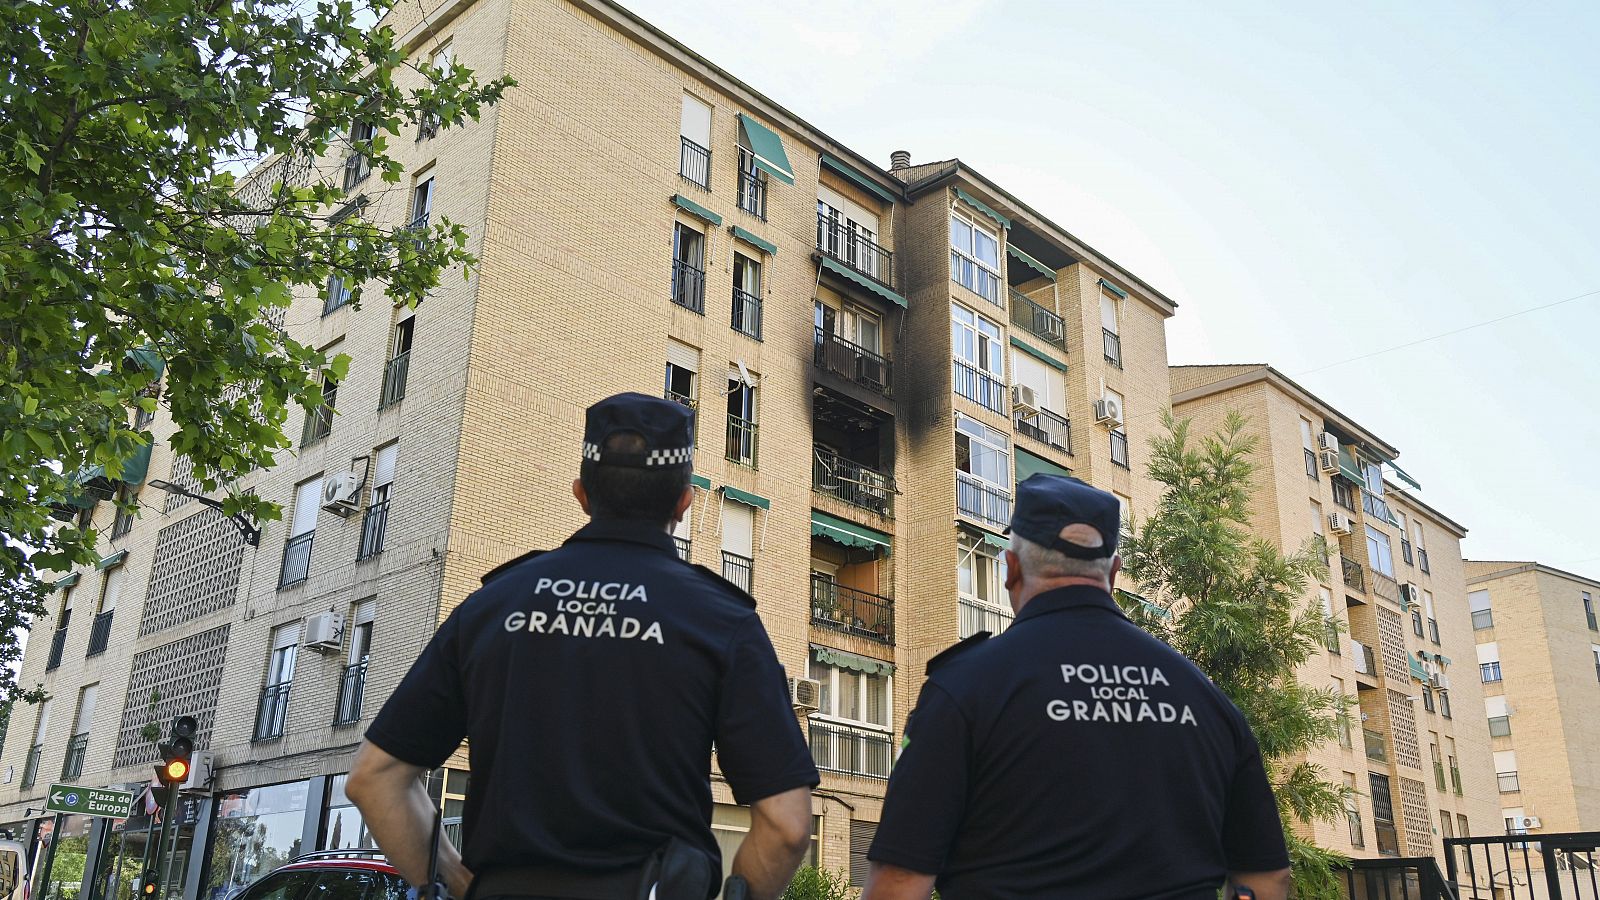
(201, 765)
(1108, 412)
(1441, 680)
(869, 369)
(1339, 523)
(341, 492)
(1409, 595)
(324, 631)
(805, 694)
(1328, 442)
(1328, 462)
(1024, 400)
(1529, 822)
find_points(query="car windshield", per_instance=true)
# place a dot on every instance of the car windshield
(326, 884)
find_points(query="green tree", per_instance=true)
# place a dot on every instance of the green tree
(130, 240)
(1235, 605)
(812, 883)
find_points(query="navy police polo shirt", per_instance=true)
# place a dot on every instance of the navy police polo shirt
(590, 682)
(1076, 756)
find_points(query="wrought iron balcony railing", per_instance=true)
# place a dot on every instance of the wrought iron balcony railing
(352, 685)
(849, 610)
(688, 286)
(747, 313)
(852, 482)
(753, 192)
(72, 765)
(374, 526)
(979, 387)
(739, 569)
(1112, 345)
(58, 643)
(741, 441)
(1035, 318)
(394, 379)
(694, 163)
(851, 362)
(272, 713)
(1354, 577)
(844, 243)
(30, 768)
(296, 559)
(982, 501)
(854, 751)
(100, 633)
(1045, 427)
(975, 616)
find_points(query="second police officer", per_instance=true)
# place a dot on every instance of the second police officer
(590, 683)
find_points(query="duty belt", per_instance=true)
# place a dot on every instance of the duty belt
(558, 881)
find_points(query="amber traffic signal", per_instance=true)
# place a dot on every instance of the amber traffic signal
(175, 752)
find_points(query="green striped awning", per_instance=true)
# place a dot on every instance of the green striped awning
(1400, 474)
(984, 208)
(114, 559)
(1029, 465)
(856, 178)
(1038, 354)
(700, 481)
(1114, 289)
(695, 209)
(850, 274)
(149, 360)
(754, 241)
(767, 148)
(847, 533)
(1418, 671)
(1031, 263)
(854, 661)
(745, 497)
(1350, 467)
(996, 541)
(134, 470)
(66, 581)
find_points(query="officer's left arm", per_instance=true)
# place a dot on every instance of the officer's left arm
(886, 882)
(396, 809)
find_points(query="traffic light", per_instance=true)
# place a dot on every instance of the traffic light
(148, 887)
(175, 752)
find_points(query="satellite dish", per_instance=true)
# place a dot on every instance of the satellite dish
(744, 374)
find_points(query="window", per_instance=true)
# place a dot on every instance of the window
(1343, 494)
(1405, 537)
(1499, 726)
(273, 710)
(1330, 622)
(58, 642)
(1422, 549)
(1482, 614)
(78, 745)
(752, 184)
(974, 257)
(1588, 611)
(340, 290)
(127, 502)
(302, 528)
(375, 521)
(1049, 424)
(1427, 699)
(352, 685)
(30, 769)
(983, 472)
(683, 533)
(683, 370)
(742, 412)
(357, 166)
(1119, 433)
(421, 205)
(1416, 621)
(848, 232)
(396, 371)
(1110, 331)
(1318, 528)
(746, 295)
(442, 59)
(738, 543)
(1505, 768)
(1489, 661)
(688, 268)
(1345, 734)
(319, 421)
(836, 320)
(851, 729)
(852, 696)
(1352, 812)
(1383, 814)
(1309, 444)
(1444, 703)
(983, 602)
(1438, 762)
(979, 359)
(694, 130)
(1433, 621)
(1378, 553)
(100, 628)
(1595, 648)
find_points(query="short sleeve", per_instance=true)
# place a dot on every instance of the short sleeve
(425, 718)
(927, 795)
(759, 745)
(1252, 832)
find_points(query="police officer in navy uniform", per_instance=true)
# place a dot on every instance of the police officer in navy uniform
(590, 683)
(1074, 756)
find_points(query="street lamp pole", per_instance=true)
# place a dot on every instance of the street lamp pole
(248, 529)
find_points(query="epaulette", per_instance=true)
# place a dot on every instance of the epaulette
(737, 592)
(957, 649)
(501, 569)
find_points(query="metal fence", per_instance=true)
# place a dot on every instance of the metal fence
(855, 612)
(1558, 866)
(857, 751)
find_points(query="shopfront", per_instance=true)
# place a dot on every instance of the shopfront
(254, 831)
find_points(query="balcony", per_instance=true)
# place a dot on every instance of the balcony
(1364, 659)
(851, 750)
(851, 611)
(100, 633)
(739, 569)
(394, 379)
(356, 169)
(1038, 320)
(852, 482)
(694, 163)
(30, 769)
(1375, 748)
(1112, 344)
(853, 363)
(319, 422)
(843, 243)
(753, 193)
(1482, 618)
(982, 501)
(975, 616)
(272, 712)
(1509, 782)
(746, 313)
(741, 441)
(58, 643)
(1385, 587)
(296, 560)
(1353, 575)
(1119, 448)
(374, 525)
(688, 286)
(1045, 427)
(352, 684)
(417, 228)
(72, 766)
(979, 387)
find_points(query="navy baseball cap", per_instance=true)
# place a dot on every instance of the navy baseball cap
(666, 427)
(1047, 504)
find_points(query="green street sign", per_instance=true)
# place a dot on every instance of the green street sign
(82, 801)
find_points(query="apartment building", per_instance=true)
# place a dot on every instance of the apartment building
(1399, 632)
(876, 355)
(1538, 654)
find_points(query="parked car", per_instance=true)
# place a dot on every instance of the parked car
(330, 875)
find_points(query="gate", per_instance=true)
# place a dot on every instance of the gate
(1525, 867)
(1392, 878)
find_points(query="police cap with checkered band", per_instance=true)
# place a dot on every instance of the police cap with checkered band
(667, 430)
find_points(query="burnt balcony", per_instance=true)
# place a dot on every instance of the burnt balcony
(1045, 427)
(843, 243)
(851, 611)
(854, 483)
(852, 362)
(1040, 321)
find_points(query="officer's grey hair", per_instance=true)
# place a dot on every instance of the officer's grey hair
(1042, 562)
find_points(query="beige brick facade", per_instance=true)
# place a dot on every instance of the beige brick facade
(1416, 724)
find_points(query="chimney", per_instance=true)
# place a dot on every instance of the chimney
(899, 159)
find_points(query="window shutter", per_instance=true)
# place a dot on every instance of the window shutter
(695, 122)
(738, 528)
(307, 500)
(861, 835)
(683, 356)
(1489, 653)
(383, 469)
(1108, 312)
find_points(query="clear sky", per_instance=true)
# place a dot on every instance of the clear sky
(1310, 185)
